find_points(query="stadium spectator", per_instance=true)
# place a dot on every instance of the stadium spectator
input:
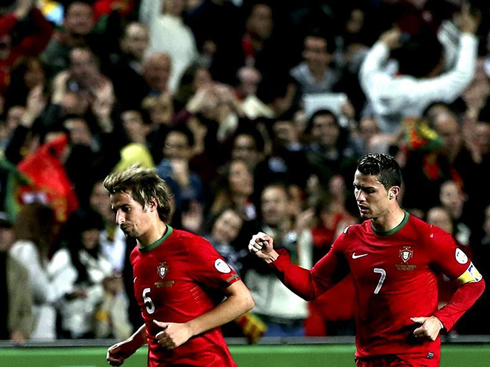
(193, 78)
(169, 34)
(394, 97)
(112, 239)
(249, 79)
(186, 330)
(125, 66)
(316, 74)
(82, 256)
(78, 24)
(156, 71)
(220, 51)
(16, 317)
(269, 293)
(27, 74)
(234, 190)
(35, 239)
(185, 185)
(382, 254)
(454, 160)
(286, 161)
(330, 150)
(111, 317)
(23, 32)
(137, 130)
(224, 232)
(453, 200)
(248, 146)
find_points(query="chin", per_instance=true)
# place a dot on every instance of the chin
(366, 215)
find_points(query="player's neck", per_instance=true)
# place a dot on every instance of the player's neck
(156, 232)
(389, 221)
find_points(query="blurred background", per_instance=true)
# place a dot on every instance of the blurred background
(255, 114)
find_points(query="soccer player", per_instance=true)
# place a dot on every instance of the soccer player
(179, 280)
(395, 259)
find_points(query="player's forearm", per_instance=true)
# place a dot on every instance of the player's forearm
(296, 278)
(139, 337)
(235, 305)
(460, 302)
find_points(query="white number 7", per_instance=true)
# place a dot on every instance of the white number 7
(381, 279)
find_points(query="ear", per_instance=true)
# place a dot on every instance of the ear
(152, 204)
(393, 192)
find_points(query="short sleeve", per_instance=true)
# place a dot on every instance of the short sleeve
(210, 268)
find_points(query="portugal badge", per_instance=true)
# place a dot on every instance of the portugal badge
(406, 253)
(162, 269)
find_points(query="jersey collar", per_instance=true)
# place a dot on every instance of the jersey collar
(158, 242)
(394, 230)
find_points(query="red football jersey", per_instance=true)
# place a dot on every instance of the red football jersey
(395, 276)
(176, 279)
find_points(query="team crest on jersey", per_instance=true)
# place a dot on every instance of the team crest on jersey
(162, 269)
(406, 253)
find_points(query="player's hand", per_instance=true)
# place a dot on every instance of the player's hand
(172, 335)
(119, 352)
(429, 327)
(262, 245)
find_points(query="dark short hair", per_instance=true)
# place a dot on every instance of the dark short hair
(320, 112)
(325, 35)
(184, 130)
(253, 133)
(382, 165)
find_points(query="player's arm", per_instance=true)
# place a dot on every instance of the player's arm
(471, 288)
(117, 354)
(455, 264)
(238, 301)
(308, 284)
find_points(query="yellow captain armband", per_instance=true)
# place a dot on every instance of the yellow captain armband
(471, 275)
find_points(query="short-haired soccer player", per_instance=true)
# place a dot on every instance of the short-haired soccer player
(184, 288)
(395, 260)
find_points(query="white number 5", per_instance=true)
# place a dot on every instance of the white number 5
(381, 279)
(150, 307)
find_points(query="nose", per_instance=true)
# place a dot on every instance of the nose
(359, 196)
(119, 218)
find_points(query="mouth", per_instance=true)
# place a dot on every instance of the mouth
(125, 228)
(363, 209)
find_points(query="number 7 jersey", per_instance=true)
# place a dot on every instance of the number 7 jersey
(396, 278)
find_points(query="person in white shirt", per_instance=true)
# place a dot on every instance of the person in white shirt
(169, 34)
(394, 97)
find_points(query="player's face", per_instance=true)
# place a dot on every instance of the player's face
(131, 217)
(371, 196)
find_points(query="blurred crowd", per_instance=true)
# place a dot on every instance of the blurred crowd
(255, 113)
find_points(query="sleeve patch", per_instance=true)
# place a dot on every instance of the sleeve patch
(461, 256)
(221, 266)
(347, 228)
(471, 275)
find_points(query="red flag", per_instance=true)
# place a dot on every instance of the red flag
(50, 181)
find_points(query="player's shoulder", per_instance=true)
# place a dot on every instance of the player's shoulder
(427, 231)
(188, 239)
(354, 229)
